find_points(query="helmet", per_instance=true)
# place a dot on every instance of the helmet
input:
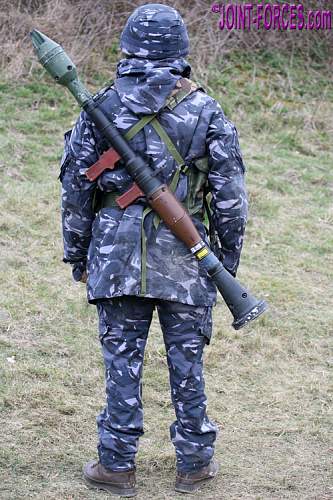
(155, 31)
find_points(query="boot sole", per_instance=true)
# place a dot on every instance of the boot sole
(192, 488)
(123, 492)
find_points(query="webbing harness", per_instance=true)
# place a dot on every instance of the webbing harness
(183, 89)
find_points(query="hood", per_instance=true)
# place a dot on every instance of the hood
(143, 85)
(155, 31)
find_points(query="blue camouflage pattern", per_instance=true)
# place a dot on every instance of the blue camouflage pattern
(123, 326)
(155, 31)
(108, 243)
(125, 282)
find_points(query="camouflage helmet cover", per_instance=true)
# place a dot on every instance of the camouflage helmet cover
(155, 31)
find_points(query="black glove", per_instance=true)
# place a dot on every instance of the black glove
(78, 270)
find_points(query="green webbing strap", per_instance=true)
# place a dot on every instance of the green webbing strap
(138, 126)
(172, 186)
(171, 103)
(168, 142)
(174, 181)
(176, 155)
(180, 93)
(184, 88)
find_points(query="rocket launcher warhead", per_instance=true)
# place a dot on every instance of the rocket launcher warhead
(58, 64)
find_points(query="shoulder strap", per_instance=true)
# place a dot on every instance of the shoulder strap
(138, 126)
(184, 87)
(168, 142)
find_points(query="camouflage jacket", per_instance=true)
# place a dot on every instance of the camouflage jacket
(109, 243)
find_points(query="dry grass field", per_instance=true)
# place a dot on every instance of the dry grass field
(269, 386)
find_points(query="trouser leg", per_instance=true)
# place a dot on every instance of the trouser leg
(124, 325)
(186, 330)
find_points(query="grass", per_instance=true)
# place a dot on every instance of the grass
(269, 386)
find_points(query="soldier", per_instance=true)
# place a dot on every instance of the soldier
(131, 260)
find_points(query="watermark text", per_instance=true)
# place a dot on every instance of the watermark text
(268, 16)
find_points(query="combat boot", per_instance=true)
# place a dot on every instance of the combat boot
(119, 483)
(189, 482)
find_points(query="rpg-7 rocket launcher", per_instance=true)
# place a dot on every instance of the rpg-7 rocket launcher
(241, 303)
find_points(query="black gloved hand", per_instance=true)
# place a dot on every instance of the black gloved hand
(79, 272)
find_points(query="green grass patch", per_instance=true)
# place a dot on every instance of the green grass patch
(268, 386)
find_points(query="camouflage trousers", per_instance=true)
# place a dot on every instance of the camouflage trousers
(124, 324)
